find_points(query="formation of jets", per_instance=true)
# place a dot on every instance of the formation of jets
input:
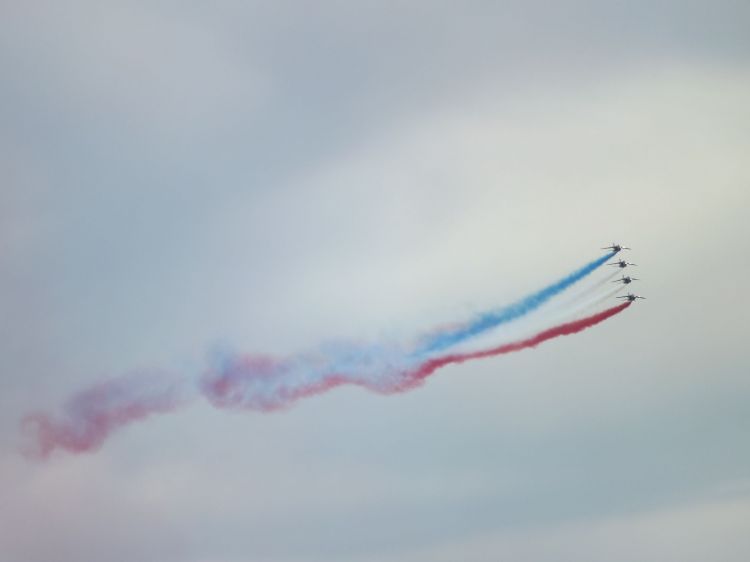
(625, 279)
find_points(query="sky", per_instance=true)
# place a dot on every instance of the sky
(182, 177)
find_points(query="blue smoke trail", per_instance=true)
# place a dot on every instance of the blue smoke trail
(492, 319)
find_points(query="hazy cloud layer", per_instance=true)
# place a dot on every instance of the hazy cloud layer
(273, 176)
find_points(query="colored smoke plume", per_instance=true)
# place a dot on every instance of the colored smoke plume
(489, 320)
(91, 415)
(567, 329)
(264, 383)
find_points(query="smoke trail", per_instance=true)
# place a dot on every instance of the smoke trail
(91, 415)
(584, 295)
(451, 336)
(584, 307)
(606, 296)
(258, 382)
(567, 329)
(602, 281)
(264, 384)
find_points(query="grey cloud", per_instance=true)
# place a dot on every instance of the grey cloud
(405, 165)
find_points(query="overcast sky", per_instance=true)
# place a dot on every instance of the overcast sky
(178, 177)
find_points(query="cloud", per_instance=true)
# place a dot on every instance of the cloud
(130, 68)
(382, 173)
(686, 533)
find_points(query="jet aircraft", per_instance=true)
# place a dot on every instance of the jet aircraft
(631, 297)
(615, 247)
(625, 280)
(621, 263)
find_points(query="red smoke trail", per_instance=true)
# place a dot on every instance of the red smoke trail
(94, 413)
(567, 329)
